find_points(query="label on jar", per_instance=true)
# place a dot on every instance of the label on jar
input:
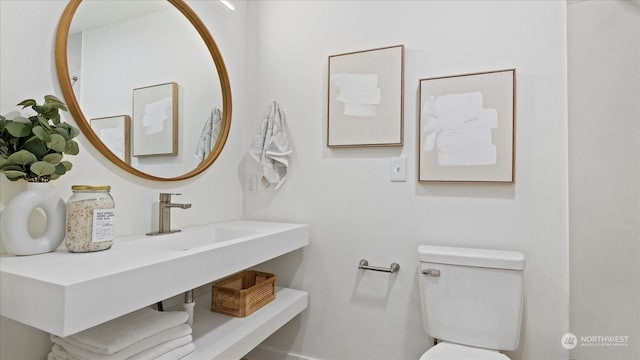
(103, 225)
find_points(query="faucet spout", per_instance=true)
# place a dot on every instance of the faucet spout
(164, 218)
(171, 205)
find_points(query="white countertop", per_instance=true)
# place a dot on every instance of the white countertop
(63, 293)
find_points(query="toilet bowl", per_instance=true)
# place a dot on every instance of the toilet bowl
(471, 301)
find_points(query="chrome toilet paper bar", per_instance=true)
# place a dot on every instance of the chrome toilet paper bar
(364, 265)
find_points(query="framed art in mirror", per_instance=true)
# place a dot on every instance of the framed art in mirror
(466, 128)
(365, 100)
(155, 120)
(114, 131)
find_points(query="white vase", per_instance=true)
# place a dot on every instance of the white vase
(15, 218)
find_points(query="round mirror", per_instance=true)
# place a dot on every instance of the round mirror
(146, 84)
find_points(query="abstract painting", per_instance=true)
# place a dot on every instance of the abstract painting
(114, 133)
(365, 98)
(155, 120)
(466, 128)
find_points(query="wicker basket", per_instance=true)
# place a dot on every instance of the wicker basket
(242, 294)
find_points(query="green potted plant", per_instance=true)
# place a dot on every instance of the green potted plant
(33, 149)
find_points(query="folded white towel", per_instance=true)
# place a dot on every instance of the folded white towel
(59, 353)
(136, 348)
(270, 147)
(117, 334)
(52, 356)
(166, 348)
(162, 349)
(178, 353)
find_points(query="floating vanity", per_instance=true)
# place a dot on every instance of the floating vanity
(64, 293)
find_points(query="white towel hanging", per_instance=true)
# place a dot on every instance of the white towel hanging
(209, 134)
(270, 147)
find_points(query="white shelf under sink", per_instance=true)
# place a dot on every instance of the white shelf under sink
(220, 337)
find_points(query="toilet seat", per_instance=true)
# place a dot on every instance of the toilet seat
(451, 351)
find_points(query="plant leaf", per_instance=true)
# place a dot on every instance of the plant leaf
(28, 102)
(60, 170)
(67, 165)
(40, 133)
(62, 131)
(71, 148)
(9, 166)
(36, 147)
(73, 132)
(22, 157)
(18, 129)
(14, 175)
(44, 122)
(53, 158)
(42, 109)
(55, 102)
(56, 143)
(54, 116)
(42, 168)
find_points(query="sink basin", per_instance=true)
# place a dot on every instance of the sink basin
(192, 238)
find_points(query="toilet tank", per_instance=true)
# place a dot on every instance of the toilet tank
(472, 296)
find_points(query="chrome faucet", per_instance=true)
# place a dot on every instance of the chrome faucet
(164, 219)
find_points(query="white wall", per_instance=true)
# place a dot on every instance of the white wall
(345, 194)
(604, 175)
(28, 70)
(356, 212)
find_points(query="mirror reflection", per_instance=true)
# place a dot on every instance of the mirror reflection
(146, 84)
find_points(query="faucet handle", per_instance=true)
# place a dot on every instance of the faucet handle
(166, 197)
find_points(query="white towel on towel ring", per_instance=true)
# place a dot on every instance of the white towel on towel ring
(270, 147)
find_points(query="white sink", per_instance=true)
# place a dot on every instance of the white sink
(190, 239)
(86, 289)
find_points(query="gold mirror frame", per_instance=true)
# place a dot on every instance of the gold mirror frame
(62, 68)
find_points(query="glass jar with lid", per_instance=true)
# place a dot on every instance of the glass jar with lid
(90, 218)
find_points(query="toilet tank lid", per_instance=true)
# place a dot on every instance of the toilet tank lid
(497, 259)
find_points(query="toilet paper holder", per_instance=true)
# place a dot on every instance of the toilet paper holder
(393, 268)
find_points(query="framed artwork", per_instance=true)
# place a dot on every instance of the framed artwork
(155, 120)
(466, 128)
(365, 102)
(114, 131)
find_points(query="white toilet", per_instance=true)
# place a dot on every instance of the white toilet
(471, 301)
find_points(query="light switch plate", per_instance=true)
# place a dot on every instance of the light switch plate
(399, 169)
(251, 183)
